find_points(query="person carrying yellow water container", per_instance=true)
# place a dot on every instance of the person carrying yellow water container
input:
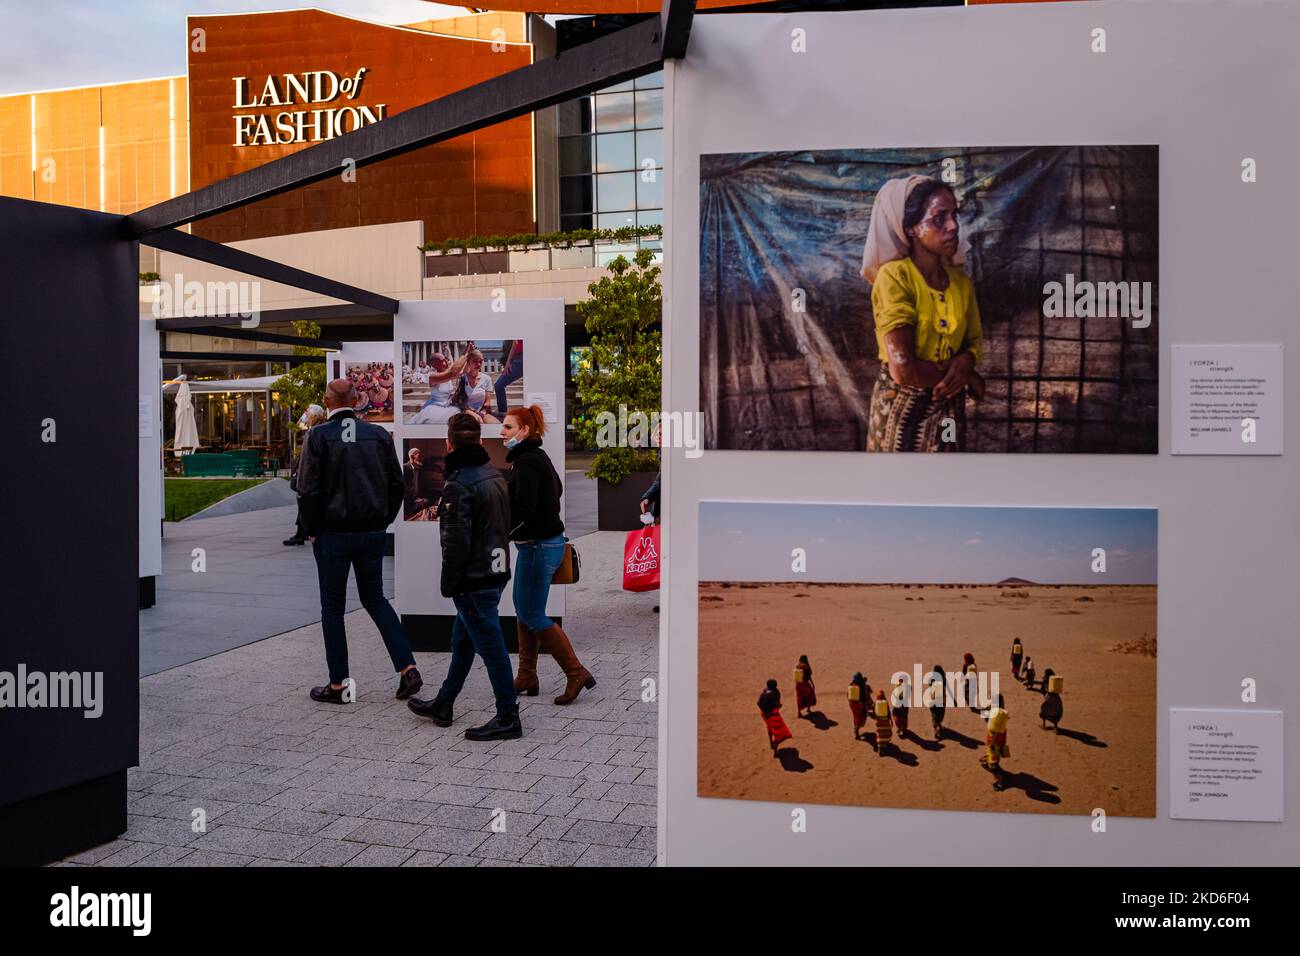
(1052, 710)
(805, 693)
(1017, 655)
(859, 701)
(996, 743)
(884, 732)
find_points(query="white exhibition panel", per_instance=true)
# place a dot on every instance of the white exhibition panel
(1207, 83)
(540, 324)
(150, 462)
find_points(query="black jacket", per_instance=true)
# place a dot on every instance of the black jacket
(410, 487)
(535, 491)
(474, 520)
(652, 495)
(349, 478)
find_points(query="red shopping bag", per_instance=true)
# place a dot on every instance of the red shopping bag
(641, 559)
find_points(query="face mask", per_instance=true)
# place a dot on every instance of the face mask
(511, 442)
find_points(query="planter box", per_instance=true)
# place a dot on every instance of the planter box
(618, 507)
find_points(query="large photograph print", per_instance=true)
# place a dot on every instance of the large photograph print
(941, 658)
(424, 474)
(441, 378)
(985, 299)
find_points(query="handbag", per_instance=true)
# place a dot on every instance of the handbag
(570, 569)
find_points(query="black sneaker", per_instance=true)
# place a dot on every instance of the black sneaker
(410, 683)
(289, 542)
(500, 727)
(437, 710)
(328, 695)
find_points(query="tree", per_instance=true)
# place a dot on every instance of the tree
(303, 384)
(625, 372)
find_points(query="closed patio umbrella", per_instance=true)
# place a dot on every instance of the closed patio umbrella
(187, 432)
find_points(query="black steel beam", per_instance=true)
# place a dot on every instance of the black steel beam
(255, 335)
(675, 25)
(242, 357)
(629, 53)
(205, 250)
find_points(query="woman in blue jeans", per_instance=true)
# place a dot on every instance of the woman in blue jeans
(538, 534)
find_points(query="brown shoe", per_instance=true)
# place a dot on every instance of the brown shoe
(555, 642)
(526, 673)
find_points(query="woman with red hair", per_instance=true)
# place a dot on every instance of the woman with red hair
(538, 534)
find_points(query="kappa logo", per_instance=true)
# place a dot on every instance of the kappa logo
(644, 558)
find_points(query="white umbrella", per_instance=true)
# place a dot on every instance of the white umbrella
(187, 432)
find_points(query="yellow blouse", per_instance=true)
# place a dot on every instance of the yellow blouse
(946, 322)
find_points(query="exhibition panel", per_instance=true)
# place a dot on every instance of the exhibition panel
(906, 246)
(451, 357)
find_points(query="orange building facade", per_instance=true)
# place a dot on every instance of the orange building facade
(261, 86)
(115, 148)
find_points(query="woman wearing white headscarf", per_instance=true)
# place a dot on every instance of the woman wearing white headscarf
(927, 319)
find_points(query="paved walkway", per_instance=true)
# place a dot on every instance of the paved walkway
(254, 586)
(282, 780)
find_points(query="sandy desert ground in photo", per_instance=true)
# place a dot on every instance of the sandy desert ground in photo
(1105, 755)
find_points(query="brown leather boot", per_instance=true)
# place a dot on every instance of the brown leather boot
(526, 673)
(556, 643)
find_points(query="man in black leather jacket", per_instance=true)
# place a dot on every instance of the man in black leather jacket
(349, 490)
(474, 522)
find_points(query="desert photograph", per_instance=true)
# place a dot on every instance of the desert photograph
(1047, 699)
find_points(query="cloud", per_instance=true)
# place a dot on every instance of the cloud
(972, 540)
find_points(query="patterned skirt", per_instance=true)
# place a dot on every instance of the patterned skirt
(859, 710)
(904, 418)
(804, 695)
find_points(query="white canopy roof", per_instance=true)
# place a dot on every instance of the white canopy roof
(260, 384)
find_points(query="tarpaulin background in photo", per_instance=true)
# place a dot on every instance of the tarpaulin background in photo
(772, 224)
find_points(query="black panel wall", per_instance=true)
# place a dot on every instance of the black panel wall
(69, 304)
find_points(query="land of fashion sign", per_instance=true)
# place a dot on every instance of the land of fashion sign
(301, 125)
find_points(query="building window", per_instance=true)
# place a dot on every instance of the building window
(608, 142)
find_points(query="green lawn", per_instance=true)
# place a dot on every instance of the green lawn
(186, 496)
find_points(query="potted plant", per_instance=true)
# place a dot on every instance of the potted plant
(622, 387)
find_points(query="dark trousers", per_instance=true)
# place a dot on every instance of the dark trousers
(363, 552)
(478, 630)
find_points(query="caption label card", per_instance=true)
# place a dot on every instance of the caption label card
(1225, 764)
(1227, 400)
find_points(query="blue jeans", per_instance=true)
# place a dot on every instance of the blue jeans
(478, 630)
(513, 372)
(363, 552)
(534, 568)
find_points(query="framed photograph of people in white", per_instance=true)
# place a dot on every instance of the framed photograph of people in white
(484, 377)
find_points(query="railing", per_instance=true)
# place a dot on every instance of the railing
(538, 258)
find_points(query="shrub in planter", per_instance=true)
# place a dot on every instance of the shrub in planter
(625, 374)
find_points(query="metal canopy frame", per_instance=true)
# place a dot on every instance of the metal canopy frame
(636, 50)
(205, 250)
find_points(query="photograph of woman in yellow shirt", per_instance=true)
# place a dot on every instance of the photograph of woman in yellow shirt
(927, 319)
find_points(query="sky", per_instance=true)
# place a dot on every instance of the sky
(886, 544)
(53, 44)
